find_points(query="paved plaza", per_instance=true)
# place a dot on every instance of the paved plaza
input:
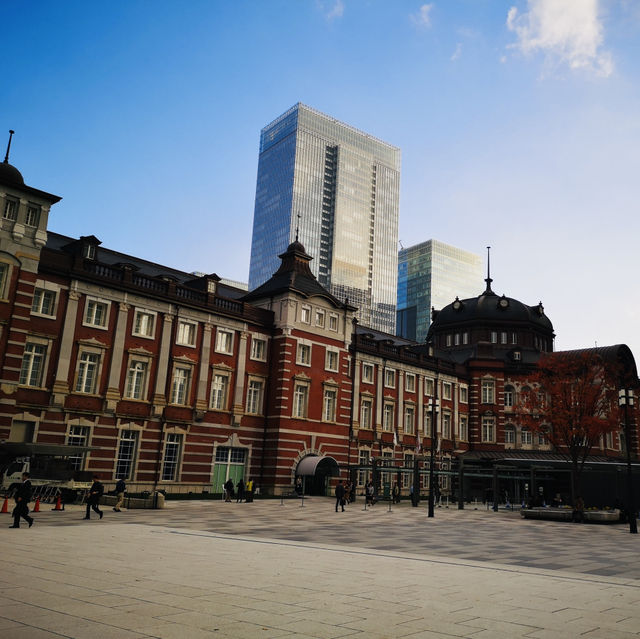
(204, 569)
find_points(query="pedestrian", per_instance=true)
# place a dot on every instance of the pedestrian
(395, 491)
(340, 495)
(228, 489)
(578, 511)
(249, 488)
(93, 500)
(347, 492)
(22, 497)
(121, 487)
(370, 493)
(240, 488)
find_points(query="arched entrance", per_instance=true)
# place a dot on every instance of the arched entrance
(315, 471)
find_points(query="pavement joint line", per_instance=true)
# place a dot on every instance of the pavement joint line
(524, 570)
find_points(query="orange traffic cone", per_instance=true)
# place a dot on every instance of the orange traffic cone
(5, 506)
(36, 508)
(58, 504)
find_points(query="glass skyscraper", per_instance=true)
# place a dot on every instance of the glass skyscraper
(339, 188)
(432, 274)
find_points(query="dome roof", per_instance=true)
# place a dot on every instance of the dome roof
(10, 175)
(489, 308)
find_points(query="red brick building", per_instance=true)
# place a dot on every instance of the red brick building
(178, 381)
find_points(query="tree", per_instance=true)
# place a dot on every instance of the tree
(573, 403)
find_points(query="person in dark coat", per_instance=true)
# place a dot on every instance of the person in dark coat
(22, 497)
(228, 489)
(120, 489)
(95, 492)
(340, 495)
(240, 489)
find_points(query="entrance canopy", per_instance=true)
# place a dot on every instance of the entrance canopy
(318, 465)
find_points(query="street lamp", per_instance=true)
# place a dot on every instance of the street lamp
(435, 406)
(625, 399)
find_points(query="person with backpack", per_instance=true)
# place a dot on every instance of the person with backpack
(120, 489)
(22, 497)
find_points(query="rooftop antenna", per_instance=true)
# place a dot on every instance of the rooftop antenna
(488, 280)
(401, 247)
(297, 226)
(6, 156)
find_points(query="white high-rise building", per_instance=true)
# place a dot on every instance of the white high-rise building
(337, 188)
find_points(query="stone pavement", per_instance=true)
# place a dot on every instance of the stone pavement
(212, 569)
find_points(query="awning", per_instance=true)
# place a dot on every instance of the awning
(318, 465)
(27, 449)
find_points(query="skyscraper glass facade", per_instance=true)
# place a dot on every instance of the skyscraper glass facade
(432, 274)
(339, 188)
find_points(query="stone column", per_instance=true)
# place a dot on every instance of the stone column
(61, 381)
(379, 398)
(238, 406)
(205, 357)
(164, 362)
(113, 388)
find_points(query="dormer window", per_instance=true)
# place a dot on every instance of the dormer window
(89, 251)
(10, 209)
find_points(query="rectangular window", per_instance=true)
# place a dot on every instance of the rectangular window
(33, 215)
(10, 209)
(33, 360)
(389, 377)
(78, 436)
(331, 363)
(303, 356)
(409, 420)
(126, 454)
(224, 342)
(88, 367)
(509, 435)
(488, 392)
(333, 322)
(136, 379)
(494, 337)
(525, 435)
(503, 338)
(44, 302)
(96, 313)
(446, 425)
(305, 314)
(143, 323)
(464, 394)
(427, 422)
(463, 428)
(259, 349)
(320, 319)
(508, 396)
(410, 383)
(219, 391)
(329, 404)
(172, 450)
(366, 408)
(367, 373)
(456, 339)
(446, 390)
(255, 391)
(514, 338)
(180, 385)
(186, 335)
(448, 340)
(465, 338)
(300, 400)
(428, 387)
(542, 440)
(407, 478)
(388, 416)
(488, 429)
(363, 462)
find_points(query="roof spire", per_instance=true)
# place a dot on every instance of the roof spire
(488, 280)
(297, 226)
(6, 156)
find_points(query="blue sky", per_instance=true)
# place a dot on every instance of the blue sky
(518, 121)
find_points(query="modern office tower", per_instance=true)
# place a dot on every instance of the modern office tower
(336, 190)
(432, 274)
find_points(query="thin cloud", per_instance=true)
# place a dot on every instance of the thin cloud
(567, 32)
(457, 53)
(336, 11)
(422, 17)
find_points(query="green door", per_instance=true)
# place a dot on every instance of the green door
(230, 464)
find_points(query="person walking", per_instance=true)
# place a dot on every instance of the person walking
(95, 492)
(22, 497)
(340, 495)
(121, 487)
(228, 489)
(249, 491)
(240, 489)
(395, 493)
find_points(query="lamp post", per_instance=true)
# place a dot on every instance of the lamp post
(435, 404)
(625, 399)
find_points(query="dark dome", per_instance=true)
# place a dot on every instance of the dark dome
(491, 309)
(10, 175)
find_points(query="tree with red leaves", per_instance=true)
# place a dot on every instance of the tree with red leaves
(573, 403)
